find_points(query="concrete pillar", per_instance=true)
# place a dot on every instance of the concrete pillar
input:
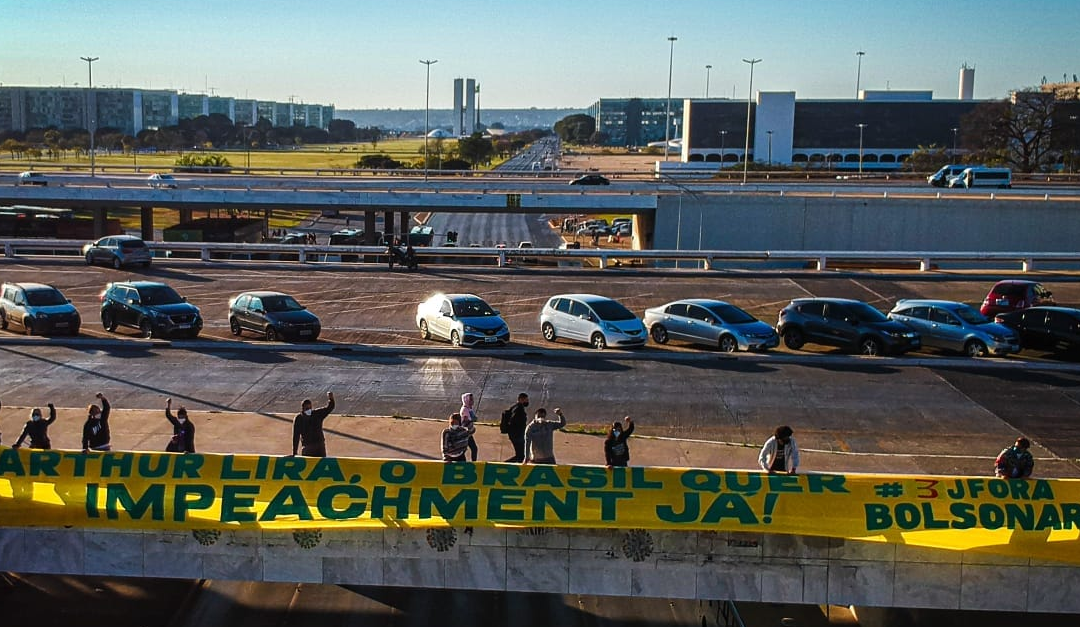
(403, 218)
(100, 216)
(267, 214)
(369, 228)
(147, 223)
(388, 225)
(185, 215)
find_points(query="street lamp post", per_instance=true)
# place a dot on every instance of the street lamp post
(89, 106)
(723, 138)
(1072, 155)
(769, 133)
(749, 100)
(858, 73)
(861, 127)
(708, 70)
(427, 108)
(667, 115)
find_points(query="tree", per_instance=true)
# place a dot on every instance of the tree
(1013, 132)
(576, 129)
(928, 158)
(342, 131)
(475, 149)
(378, 162)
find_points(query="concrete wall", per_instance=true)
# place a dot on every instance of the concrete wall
(636, 563)
(779, 223)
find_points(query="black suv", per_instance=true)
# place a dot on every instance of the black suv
(1054, 328)
(849, 324)
(155, 309)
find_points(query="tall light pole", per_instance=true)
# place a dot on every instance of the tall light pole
(769, 133)
(954, 131)
(723, 137)
(749, 101)
(1072, 155)
(708, 70)
(861, 127)
(858, 73)
(427, 108)
(89, 106)
(667, 115)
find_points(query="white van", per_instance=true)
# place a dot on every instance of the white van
(983, 177)
(942, 176)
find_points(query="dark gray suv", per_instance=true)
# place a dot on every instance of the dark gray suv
(849, 324)
(155, 309)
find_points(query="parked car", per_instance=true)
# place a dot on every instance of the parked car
(598, 320)
(161, 181)
(155, 309)
(117, 251)
(849, 324)
(33, 178)
(464, 319)
(38, 309)
(273, 315)
(1015, 294)
(591, 179)
(1054, 328)
(956, 327)
(710, 322)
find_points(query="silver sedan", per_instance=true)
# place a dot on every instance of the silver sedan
(710, 322)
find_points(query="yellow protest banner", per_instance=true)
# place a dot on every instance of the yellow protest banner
(1026, 518)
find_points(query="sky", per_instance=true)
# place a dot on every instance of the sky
(360, 54)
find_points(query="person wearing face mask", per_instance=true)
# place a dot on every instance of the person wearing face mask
(37, 429)
(308, 428)
(183, 438)
(616, 451)
(468, 418)
(96, 436)
(513, 425)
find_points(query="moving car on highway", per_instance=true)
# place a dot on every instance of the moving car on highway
(1014, 294)
(155, 309)
(33, 178)
(273, 315)
(37, 308)
(591, 179)
(713, 323)
(1054, 328)
(598, 320)
(464, 319)
(117, 251)
(161, 181)
(956, 327)
(849, 324)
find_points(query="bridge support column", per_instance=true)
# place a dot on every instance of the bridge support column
(100, 217)
(403, 218)
(369, 228)
(267, 214)
(388, 226)
(147, 223)
(185, 215)
(821, 263)
(1027, 265)
(924, 264)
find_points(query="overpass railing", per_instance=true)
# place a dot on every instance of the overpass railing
(602, 258)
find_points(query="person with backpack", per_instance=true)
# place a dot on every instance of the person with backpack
(183, 438)
(1015, 462)
(37, 429)
(468, 420)
(513, 422)
(616, 451)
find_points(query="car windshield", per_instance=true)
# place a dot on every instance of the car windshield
(611, 310)
(866, 313)
(281, 303)
(471, 308)
(731, 314)
(970, 315)
(44, 298)
(131, 244)
(159, 295)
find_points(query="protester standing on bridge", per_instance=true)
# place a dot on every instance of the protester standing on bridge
(616, 450)
(1015, 462)
(183, 438)
(513, 424)
(95, 433)
(780, 453)
(37, 429)
(308, 428)
(468, 420)
(539, 444)
(455, 439)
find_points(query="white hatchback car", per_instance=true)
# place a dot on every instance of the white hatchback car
(598, 320)
(464, 319)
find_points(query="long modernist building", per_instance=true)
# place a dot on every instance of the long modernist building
(133, 110)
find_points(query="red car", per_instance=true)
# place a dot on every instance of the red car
(1013, 295)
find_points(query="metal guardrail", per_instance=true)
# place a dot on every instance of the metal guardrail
(604, 258)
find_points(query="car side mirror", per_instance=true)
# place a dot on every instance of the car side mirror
(183, 298)
(495, 311)
(448, 314)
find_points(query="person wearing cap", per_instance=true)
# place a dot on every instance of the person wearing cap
(183, 438)
(308, 428)
(780, 454)
(37, 429)
(1015, 462)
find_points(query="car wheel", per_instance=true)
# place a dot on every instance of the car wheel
(659, 334)
(728, 344)
(89, 259)
(598, 341)
(548, 331)
(116, 263)
(234, 327)
(108, 320)
(793, 338)
(870, 346)
(271, 334)
(455, 338)
(425, 332)
(28, 325)
(975, 348)
(145, 328)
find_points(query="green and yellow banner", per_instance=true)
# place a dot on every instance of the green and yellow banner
(1025, 518)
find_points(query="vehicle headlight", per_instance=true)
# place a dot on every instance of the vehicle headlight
(41, 314)
(610, 328)
(998, 338)
(469, 328)
(159, 315)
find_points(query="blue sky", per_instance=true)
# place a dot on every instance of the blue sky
(555, 53)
